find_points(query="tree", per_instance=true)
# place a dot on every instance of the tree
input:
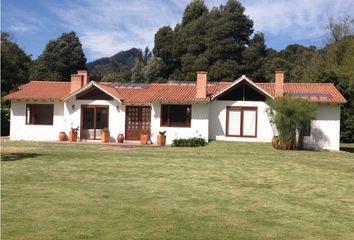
(15, 65)
(164, 39)
(193, 11)
(338, 30)
(147, 55)
(253, 57)
(60, 58)
(123, 75)
(151, 70)
(228, 33)
(224, 70)
(203, 39)
(163, 44)
(137, 71)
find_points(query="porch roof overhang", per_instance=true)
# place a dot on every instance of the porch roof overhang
(238, 81)
(88, 86)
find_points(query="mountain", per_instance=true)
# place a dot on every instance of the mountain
(99, 67)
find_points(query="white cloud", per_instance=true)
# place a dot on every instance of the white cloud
(297, 19)
(22, 21)
(108, 26)
(21, 27)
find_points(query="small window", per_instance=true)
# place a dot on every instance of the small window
(241, 121)
(176, 115)
(39, 114)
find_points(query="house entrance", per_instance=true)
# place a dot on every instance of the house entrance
(93, 119)
(137, 119)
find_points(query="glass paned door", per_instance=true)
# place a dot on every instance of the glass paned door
(93, 119)
(101, 120)
(88, 127)
(138, 118)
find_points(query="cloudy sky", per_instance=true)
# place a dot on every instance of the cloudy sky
(108, 26)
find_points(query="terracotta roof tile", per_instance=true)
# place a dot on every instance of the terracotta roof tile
(45, 90)
(173, 92)
(316, 92)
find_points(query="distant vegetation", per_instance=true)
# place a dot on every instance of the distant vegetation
(221, 41)
(104, 68)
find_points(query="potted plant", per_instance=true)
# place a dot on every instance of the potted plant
(161, 139)
(73, 134)
(144, 137)
(105, 134)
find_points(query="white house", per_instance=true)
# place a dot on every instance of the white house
(230, 111)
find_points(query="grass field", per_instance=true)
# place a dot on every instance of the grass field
(222, 191)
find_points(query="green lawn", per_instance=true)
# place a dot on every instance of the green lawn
(222, 191)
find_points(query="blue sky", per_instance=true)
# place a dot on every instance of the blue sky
(108, 26)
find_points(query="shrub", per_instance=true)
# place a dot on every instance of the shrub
(105, 130)
(292, 116)
(74, 130)
(189, 142)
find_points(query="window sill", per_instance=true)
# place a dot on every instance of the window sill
(240, 136)
(175, 126)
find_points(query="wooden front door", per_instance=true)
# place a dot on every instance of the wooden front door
(137, 119)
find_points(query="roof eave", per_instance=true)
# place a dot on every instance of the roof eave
(92, 83)
(236, 82)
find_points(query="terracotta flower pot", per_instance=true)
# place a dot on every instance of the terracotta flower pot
(62, 136)
(275, 142)
(144, 138)
(72, 136)
(161, 140)
(105, 137)
(120, 138)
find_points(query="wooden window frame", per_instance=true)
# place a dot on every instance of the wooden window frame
(94, 106)
(38, 104)
(168, 120)
(241, 108)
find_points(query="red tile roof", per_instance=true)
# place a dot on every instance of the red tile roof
(46, 90)
(316, 92)
(173, 92)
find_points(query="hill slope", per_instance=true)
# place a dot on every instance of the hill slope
(127, 58)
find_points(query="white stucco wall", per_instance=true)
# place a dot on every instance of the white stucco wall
(325, 129)
(217, 117)
(199, 124)
(116, 120)
(20, 131)
(208, 121)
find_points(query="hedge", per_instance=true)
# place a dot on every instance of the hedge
(189, 142)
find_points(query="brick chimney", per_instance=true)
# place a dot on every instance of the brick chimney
(202, 80)
(85, 75)
(279, 84)
(77, 81)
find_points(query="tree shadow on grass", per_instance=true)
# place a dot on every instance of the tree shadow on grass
(347, 149)
(7, 157)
